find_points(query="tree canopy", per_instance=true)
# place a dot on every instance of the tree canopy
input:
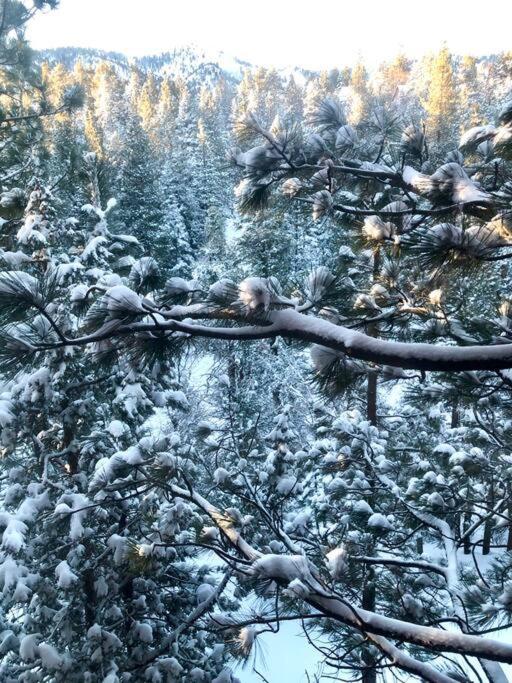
(255, 368)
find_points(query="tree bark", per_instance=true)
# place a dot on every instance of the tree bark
(509, 512)
(368, 603)
(489, 523)
(369, 587)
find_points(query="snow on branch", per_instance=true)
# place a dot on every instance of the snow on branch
(285, 569)
(291, 324)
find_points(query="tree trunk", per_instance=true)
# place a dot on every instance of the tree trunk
(455, 414)
(467, 539)
(90, 601)
(368, 602)
(369, 588)
(419, 545)
(509, 511)
(489, 523)
(371, 398)
(466, 524)
(67, 438)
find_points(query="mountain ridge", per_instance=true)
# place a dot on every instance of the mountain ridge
(183, 61)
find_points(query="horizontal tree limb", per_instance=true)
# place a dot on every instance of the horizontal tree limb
(291, 324)
(335, 607)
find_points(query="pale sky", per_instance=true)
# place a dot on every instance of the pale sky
(281, 33)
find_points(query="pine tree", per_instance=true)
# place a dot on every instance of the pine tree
(78, 559)
(186, 374)
(468, 90)
(441, 101)
(360, 94)
(166, 115)
(140, 209)
(147, 105)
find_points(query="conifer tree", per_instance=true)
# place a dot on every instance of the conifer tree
(360, 98)
(140, 210)
(441, 101)
(309, 382)
(81, 551)
(468, 94)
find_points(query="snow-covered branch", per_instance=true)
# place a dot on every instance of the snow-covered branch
(291, 324)
(333, 606)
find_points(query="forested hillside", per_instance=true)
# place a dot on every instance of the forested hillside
(255, 365)
(177, 110)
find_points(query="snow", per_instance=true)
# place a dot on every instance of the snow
(254, 293)
(10, 572)
(171, 665)
(273, 464)
(286, 484)
(204, 592)
(91, 248)
(118, 544)
(29, 232)
(298, 522)
(144, 632)
(297, 589)
(221, 476)
(122, 300)
(291, 187)
(474, 136)
(444, 449)
(29, 646)
(6, 407)
(436, 296)
(230, 230)
(336, 560)
(450, 181)
(378, 521)
(78, 292)
(50, 658)
(502, 139)
(14, 259)
(285, 567)
(130, 396)
(111, 204)
(405, 355)
(362, 507)
(411, 176)
(101, 587)
(346, 252)
(435, 500)
(376, 229)
(225, 676)
(210, 533)
(419, 634)
(63, 270)
(14, 282)
(178, 399)
(178, 285)
(13, 537)
(76, 506)
(94, 631)
(65, 577)
(117, 428)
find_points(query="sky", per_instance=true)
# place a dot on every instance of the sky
(280, 33)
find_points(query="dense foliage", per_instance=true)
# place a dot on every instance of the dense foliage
(207, 425)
